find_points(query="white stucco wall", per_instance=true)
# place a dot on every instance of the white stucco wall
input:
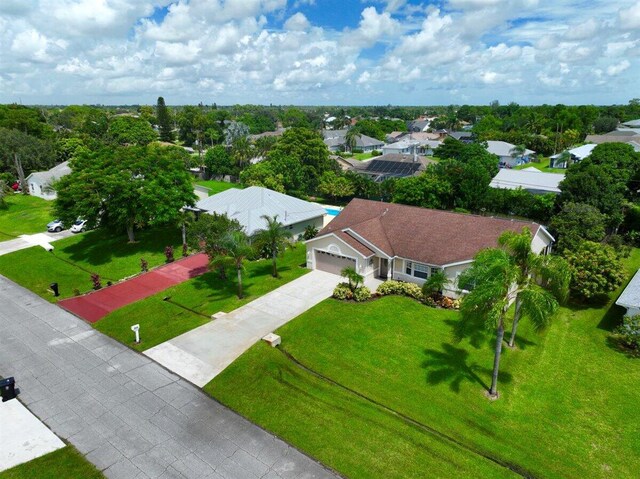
(298, 228)
(334, 245)
(36, 189)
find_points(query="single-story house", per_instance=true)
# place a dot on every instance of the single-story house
(249, 205)
(629, 136)
(632, 123)
(408, 144)
(336, 141)
(463, 136)
(529, 179)
(408, 243)
(40, 182)
(630, 297)
(391, 165)
(577, 155)
(419, 125)
(506, 152)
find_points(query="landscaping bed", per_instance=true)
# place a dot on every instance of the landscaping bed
(567, 409)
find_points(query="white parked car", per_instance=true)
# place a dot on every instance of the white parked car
(79, 226)
(55, 226)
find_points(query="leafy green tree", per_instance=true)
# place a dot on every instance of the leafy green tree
(28, 120)
(5, 190)
(129, 130)
(262, 174)
(125, 188)
(234, 132)
(577, 222)
(22, 153)
(295, 118)
(595, 270)
(165, 123)
(274, 239)
(353, 277)
(335, 186)
(605, 124)
(550, 272)
(206, 235)
(219, 162)
(491, 279)
(429, 190)
(235, 248)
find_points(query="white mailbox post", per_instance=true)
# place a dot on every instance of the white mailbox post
(136, 329)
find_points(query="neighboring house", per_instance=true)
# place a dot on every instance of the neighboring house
(463, 136)
(408, 243)
(336, 141)
(506, 152)
(418, 125)
(388, 166)
(40, 182)
(408, 144)
(629, 136)
(577, 155)
(278, 132)
(250, 204)
(632, 123)
(529, 179)
(394, 136)
(346, 164)
(630, 297)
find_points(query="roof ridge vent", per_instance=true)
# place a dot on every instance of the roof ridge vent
(386, 210)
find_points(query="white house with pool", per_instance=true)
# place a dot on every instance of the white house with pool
(248, 206)
(408, 243)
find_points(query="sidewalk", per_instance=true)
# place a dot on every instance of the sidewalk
(27, 241)
(128, 415)
(202, 353)
(96, 305)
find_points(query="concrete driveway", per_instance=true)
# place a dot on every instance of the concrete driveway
(27, 241)
(202, 353)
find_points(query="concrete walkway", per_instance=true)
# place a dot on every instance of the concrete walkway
(202, 353)
(128, 415)
(27, 241)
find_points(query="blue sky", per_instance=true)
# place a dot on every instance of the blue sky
(319, 51)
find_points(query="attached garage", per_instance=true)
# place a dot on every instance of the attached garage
(333, 263)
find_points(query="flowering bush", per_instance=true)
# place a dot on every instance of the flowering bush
(144, 265)
(362, 294)
(629, 332)
(168, 252)
(400, 288)
(342, 291)
(95, 279)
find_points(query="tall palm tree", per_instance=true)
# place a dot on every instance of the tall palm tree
(351, 137)
(274, 238)
(235, 247)
(493, 282)
(518, 151)
(551, 272)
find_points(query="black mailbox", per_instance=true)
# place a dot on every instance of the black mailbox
(54, 288)
(8, 389)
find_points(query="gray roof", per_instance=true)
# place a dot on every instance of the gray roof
(48, 177)
(334, 138)
(249, 205)
(580, 152)
(529, 179)
(502, 148)
(632, 123)
(458, 135)
(630, 297)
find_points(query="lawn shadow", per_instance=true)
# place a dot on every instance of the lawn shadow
(100, 247)
(612, 318)
(477, 336)
(521, 343)
(451, 365)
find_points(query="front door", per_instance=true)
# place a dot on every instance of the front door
(384, 268)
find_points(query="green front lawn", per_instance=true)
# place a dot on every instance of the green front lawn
(24, 214)
(568, 405)
(192, 303)
(75, 258)
(217, 186)
(65, 463)
(542, 165)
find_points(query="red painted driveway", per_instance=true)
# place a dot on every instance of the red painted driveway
(96, 305)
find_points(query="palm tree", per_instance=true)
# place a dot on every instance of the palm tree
(353, 277)
(435, 284)
(552, 271)
(235, 247)
(273, 238)
(493, 280)
(351, 137)
(518, 151)
(183, 220)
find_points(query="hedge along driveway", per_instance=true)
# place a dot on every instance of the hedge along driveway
(75, 258)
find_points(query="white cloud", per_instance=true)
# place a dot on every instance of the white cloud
(297, 22)
(630, 17)
(618, 68)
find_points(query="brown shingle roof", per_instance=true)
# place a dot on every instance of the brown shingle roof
(429, 236)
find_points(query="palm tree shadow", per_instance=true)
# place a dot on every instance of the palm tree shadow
(451, 365)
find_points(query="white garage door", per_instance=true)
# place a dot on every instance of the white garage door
(333, 263)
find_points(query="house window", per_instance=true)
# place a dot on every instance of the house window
(417, 269)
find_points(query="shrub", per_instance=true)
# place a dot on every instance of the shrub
(376, 153)
(95, 279)
(362, 294)
(400, 288)
(342, 291)
(168, 252)
(310, 231)
(185, 249)
(629, 332)
(144, 265)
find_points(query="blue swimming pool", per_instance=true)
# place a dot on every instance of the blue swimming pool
(332, 211)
